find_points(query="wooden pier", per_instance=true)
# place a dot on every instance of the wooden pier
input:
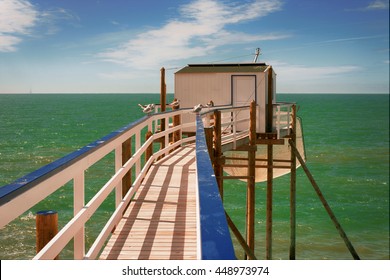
(173, 208)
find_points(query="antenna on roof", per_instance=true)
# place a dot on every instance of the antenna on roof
(256, 55)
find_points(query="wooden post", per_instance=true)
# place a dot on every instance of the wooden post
(293, 176)
(176, 121)
(163, 97)
(269, 104)
(46, 228)
(209, 140)
(250, 200)
(325, 203)
(126, 155)
(268, 236)
(218, 168)
(149, 150)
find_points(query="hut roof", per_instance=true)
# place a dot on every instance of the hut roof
(224, 68)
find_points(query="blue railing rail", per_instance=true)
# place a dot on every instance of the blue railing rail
(216, 242)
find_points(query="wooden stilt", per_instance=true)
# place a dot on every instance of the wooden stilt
(163, 96)
(126, 155)
(268, 235)
(218, 168)
(250, 206)
(293, 176)
(325, 203)
(209, 140)
(46, 228)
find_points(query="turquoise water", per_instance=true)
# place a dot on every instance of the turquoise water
(347, 149)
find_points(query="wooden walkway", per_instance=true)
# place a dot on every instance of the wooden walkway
(160, 222)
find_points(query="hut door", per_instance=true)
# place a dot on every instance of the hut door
(243, 92)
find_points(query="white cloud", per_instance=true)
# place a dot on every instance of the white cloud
(20, 18)
(17, 17)
(378, 5)
(200, 29)
(289, 72)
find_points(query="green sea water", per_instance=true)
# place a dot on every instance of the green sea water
(347, 148)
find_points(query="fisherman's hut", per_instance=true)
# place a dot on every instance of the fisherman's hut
(234, 85)
(237, 85)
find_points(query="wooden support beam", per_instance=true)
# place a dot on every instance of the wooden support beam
(234, 177)
(250, 219)
(269, 101)
(218, 168)
(293, 175)
(240, 239)
(268, 235)
(270, 141)
(209, 141)
(258, 166)
(163, 96)
(325, 203)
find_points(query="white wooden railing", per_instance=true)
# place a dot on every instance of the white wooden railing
(24, 193)
(18, 197)
(282, 119)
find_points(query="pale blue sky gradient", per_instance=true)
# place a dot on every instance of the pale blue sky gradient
(118, 46)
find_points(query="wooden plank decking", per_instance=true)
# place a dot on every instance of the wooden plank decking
(160, 223)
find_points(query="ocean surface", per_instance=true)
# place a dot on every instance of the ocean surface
(347, 149)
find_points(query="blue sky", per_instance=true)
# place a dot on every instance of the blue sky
(119, 46)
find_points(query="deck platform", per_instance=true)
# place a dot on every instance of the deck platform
(161, 221)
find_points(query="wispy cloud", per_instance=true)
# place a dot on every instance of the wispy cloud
(20, 18)
(372, 6)
(289, 72)
(17, 18)
(199, 30)
(50, 20)
(378, 5)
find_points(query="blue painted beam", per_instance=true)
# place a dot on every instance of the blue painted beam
(215, 236)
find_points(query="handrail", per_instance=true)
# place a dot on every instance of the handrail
(24, 193)
(282, 118)
(216, 243)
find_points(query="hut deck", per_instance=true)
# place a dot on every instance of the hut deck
(161, 221)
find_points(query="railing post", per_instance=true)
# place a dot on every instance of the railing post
(118, 165)
(149, 150)
(46, 228)
(176, 121)
(78, 204)
(126, 155)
